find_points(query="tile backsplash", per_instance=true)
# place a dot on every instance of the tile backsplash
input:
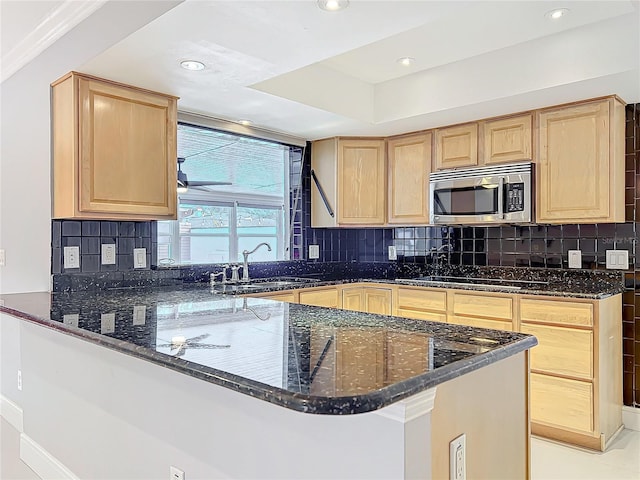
(89, 235)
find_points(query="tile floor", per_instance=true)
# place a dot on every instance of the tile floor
(549, 461)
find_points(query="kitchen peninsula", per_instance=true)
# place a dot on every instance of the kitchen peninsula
(181, 376)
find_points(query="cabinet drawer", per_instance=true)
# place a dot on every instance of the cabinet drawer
(282, 297)
(562, 402)
(422, 315)
(320, 298)
(422, 299)
(482, 323)
(550, 311)
(483, 305)
(564, 351)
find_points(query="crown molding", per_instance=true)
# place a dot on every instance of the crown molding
(410, 408)
(58, 22)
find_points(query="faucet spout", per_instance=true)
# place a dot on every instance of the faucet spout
(245, 256)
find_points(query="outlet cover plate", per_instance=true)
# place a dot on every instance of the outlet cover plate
(108, 256)
(314, 252)
(71, 257)
(575, 258)
(139, 258)
(392, 253)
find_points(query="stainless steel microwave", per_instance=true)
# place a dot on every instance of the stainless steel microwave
(491, 195)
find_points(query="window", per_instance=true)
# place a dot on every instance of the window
(241, 198)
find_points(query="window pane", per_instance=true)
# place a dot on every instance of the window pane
(215, 223)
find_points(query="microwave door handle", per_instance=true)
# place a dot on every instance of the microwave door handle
(501, 198)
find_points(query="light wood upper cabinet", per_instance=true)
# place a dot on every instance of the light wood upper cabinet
(409, 168)
(352, 175)
(507, 140)
(457, 146)
(581, 163)
(114, 150)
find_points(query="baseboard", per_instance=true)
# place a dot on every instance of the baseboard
(42, 462)
(631, 418)
(11, 412)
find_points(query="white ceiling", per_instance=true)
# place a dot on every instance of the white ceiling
(290, 67)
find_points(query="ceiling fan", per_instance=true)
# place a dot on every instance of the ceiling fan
(184, 183)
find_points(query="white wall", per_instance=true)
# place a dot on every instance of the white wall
(25, 154)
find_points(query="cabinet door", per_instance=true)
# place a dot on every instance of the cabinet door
(457, 146)
(573, 168)
(127, 150)
(361, 182)
(409, 168)
(377, 300)
(507, 140)
(353, 299)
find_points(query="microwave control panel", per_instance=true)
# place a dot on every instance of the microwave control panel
(514, 197)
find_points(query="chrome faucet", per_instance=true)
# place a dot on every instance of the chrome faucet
(245, 256)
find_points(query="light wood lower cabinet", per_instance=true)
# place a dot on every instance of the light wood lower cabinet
(576, 379)
(562, 402)
(576, 368)
(367, 299)
(495, 311)
(320, 297)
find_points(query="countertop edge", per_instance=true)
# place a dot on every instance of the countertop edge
(346, 405)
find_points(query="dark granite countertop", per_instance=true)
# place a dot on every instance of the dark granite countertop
(588, 287)
(309, 359)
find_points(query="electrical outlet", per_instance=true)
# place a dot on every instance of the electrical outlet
(457, 458)
(392, 252)
(175, 473)
(575, 258)
(19, 379)
(314, 252)
(139, 258)
(107, 323)
(71, 319)
(108, 256)
(3, 258)
(71, 257)
(617, 259)
(139, 314)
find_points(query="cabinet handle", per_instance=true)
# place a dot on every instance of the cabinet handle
(322, 194)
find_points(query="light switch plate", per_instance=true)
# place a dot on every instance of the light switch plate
(575, 258)
(3, 258)
(314, 252)
(617, 259)
(139, 258)
(71, 257)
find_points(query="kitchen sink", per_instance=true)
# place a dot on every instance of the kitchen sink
(259, 284)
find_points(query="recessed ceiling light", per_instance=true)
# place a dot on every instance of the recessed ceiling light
(246, 123)
(557, 13)
(406, 61)
(193, 65)
(333, 5)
